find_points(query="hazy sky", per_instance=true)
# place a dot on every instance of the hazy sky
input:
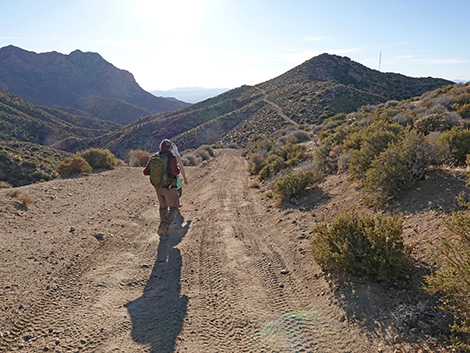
(227, 43)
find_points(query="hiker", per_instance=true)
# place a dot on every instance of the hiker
(163, 169)
(179, 185)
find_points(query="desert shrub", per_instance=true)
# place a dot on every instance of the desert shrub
(257, 162)
(397, 169)
(343, 161)
(25, 200)
(274, 164)
(362, 245)
(458, 141)
(207, 148)
(372, 140)
(190, 159)
(72, 166)
(464, 111)
(322, 156)
(99, 158)
(295, 183)
(452, 276)
(452, 120)
(4, 185)
(40, 175)
(259, 143)
(429, 123)
(403, 119)
(203, 154)
(138, 158)
(232, 145)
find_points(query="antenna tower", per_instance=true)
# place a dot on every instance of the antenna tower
(380, 60)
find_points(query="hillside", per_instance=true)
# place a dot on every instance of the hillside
(23, 121)
(57, 79)
(308, 94)
(113, 110)
(83, 268)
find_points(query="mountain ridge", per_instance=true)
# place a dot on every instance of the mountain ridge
(56, 79)
(307, 94)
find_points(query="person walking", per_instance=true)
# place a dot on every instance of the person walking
(163, 170)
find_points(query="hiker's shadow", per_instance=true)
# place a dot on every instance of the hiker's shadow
(157, 316)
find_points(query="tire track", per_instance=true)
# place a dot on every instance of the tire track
(278, 312)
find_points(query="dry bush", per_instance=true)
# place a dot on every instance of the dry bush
(99, 158)
(138, 158)
(203, 154)
(25, 200)
(190, 159)
(73, 166)
(207, 149)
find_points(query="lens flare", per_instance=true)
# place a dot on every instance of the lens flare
(299, 331)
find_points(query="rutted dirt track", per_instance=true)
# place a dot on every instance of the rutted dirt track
(84, 270)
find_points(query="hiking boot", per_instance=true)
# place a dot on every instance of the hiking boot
(163, 229)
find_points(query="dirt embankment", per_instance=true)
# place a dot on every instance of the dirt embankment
(84, 270)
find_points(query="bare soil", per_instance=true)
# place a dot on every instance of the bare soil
(82, 269)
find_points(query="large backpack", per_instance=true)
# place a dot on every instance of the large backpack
(159, 170)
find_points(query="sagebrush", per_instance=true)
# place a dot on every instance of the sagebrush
(362, 245)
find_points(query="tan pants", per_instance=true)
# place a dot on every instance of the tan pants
(169, 204)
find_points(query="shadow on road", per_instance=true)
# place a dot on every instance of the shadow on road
(157, 316)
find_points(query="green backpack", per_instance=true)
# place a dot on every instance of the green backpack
(159, 171)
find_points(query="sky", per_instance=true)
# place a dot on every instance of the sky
(168, 44)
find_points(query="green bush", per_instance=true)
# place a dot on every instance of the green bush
(274, 164)
(73, 166)
(295, 184)
(464, 111)
(452, 277)
(429, 123)
(458, 141)
(373, 140)
(99, 158)
(362, 245)
(138, 158)
(396, 169)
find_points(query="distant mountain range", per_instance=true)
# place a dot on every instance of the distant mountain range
(79, 80)
(191, 94)
(309, 93)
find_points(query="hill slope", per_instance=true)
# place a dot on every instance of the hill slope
(23, 121)
(56, 79)
(319, 88)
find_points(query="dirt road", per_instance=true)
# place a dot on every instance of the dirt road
(84, 270)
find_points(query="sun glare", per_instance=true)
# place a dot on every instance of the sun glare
(172, 18)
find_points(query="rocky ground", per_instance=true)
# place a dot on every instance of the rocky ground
(82, 268)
